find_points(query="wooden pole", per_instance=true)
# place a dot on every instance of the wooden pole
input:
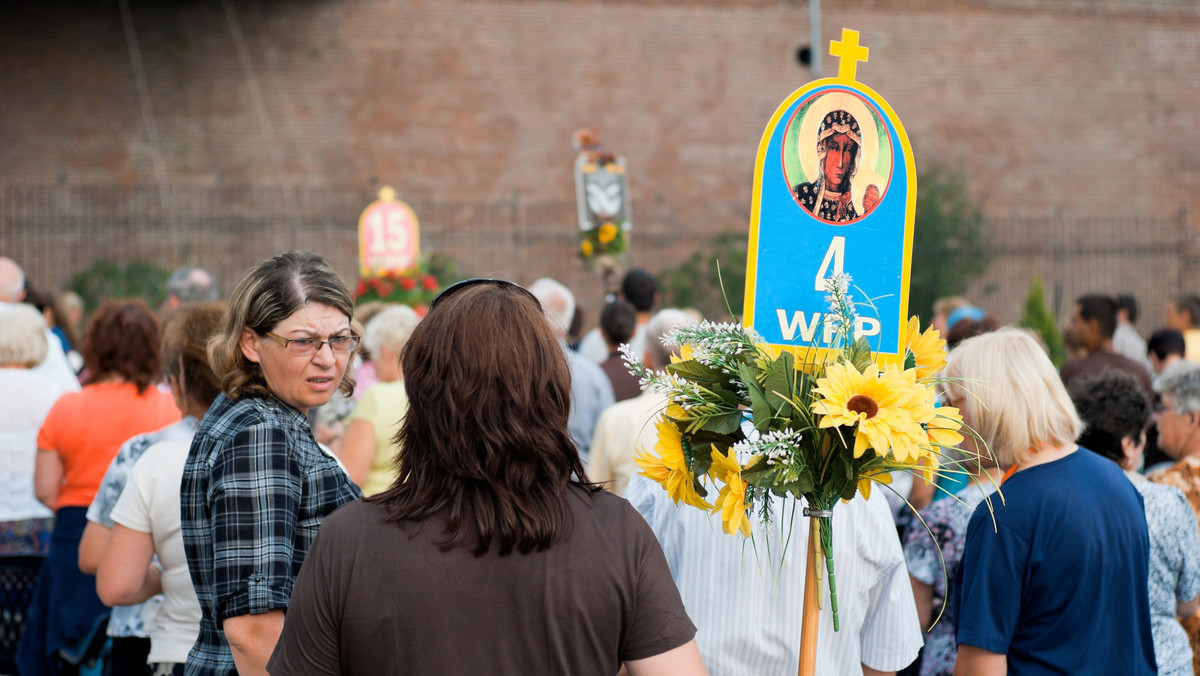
(812, 609)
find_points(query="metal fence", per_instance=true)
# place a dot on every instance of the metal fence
(59, 230)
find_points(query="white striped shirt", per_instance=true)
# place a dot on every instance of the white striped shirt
(746, 597)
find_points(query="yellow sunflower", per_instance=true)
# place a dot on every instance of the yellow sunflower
(669, 468)
(864, 483)
(880, 405)
(607, 233)
(944, 428)
(685, 354)
(586, 249)
(928, 349)
(732, 500)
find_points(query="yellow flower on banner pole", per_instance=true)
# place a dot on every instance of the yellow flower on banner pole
(928, 349)
(864, 484)
(670, 468)
(878, 403)
(944, 429)
(586, 248)
(607, 233)
(732, 500)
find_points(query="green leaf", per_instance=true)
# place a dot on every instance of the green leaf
(860, 354)
(779, 386)
(726, 423)
(910, 360)
(694, 370)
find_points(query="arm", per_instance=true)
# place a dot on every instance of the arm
(973, 661)
(1186, 609)
(126, 576)
(680, 661)
(47, 477)
(923, 595)
(868, 671)
(256, 489)
(252, 638)
(358, 450)
(91, 547)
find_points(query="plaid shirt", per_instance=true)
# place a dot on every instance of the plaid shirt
(255, 489)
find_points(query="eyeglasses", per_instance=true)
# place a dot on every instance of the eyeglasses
(459, 286)
(305, 346)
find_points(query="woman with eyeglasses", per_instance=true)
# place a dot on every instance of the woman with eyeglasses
(256, 484)
(491, 552)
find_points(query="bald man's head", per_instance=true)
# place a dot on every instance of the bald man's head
(12, 281)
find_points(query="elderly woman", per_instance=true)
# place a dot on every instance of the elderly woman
(256, 485)
(471, 562)
(145, 516)
(25, 399)
(369, 448)
(78, 440)
(1115, 409)
(1057, 583)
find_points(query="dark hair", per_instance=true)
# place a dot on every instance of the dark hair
(122, 339)
(1113, 407)
(618, 321)
(1164, 342)
(1189, 303)
(969, 328)
(1101, 308)
(1129, 304)
(42, 302)
(185, 350)
(485, 436)
(270, 293)
(639, 288)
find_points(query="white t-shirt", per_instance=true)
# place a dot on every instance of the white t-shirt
(150, 504)
(26, 397)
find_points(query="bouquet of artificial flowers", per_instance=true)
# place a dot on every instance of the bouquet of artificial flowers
(746, 420)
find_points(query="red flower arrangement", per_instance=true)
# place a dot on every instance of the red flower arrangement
(415, 287)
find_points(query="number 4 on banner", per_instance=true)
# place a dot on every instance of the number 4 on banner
(836, 254)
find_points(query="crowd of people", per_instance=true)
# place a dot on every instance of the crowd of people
(282, 482)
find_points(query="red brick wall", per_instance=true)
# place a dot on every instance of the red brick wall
(1081, 110)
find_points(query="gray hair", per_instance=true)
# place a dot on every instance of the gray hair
(22, 335)
(1181, 380)
(12, 280)
(391, 327)
(661, 324)
(557, 302)
(192, 285)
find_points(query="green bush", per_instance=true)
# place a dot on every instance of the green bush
(1039, 318)
(696, 284)
(949, 241)
(106, 281)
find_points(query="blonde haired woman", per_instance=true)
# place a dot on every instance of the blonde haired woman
(1058, 582)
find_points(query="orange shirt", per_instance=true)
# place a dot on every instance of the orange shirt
(87, 428)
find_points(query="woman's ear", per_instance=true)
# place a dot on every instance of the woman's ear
(1132, 448)
(249, 344)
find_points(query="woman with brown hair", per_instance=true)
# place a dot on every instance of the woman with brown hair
(76, 443)
(491, 552)
(256, 485)
(142, 519)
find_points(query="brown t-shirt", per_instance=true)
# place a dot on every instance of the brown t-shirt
(370, 599)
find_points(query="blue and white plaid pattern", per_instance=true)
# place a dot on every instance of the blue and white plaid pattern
(255, 489)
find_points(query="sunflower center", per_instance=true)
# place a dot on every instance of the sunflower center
(861, 403)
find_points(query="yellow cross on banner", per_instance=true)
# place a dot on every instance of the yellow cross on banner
(849, 53)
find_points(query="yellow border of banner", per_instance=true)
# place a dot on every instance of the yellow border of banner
(363, 270)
